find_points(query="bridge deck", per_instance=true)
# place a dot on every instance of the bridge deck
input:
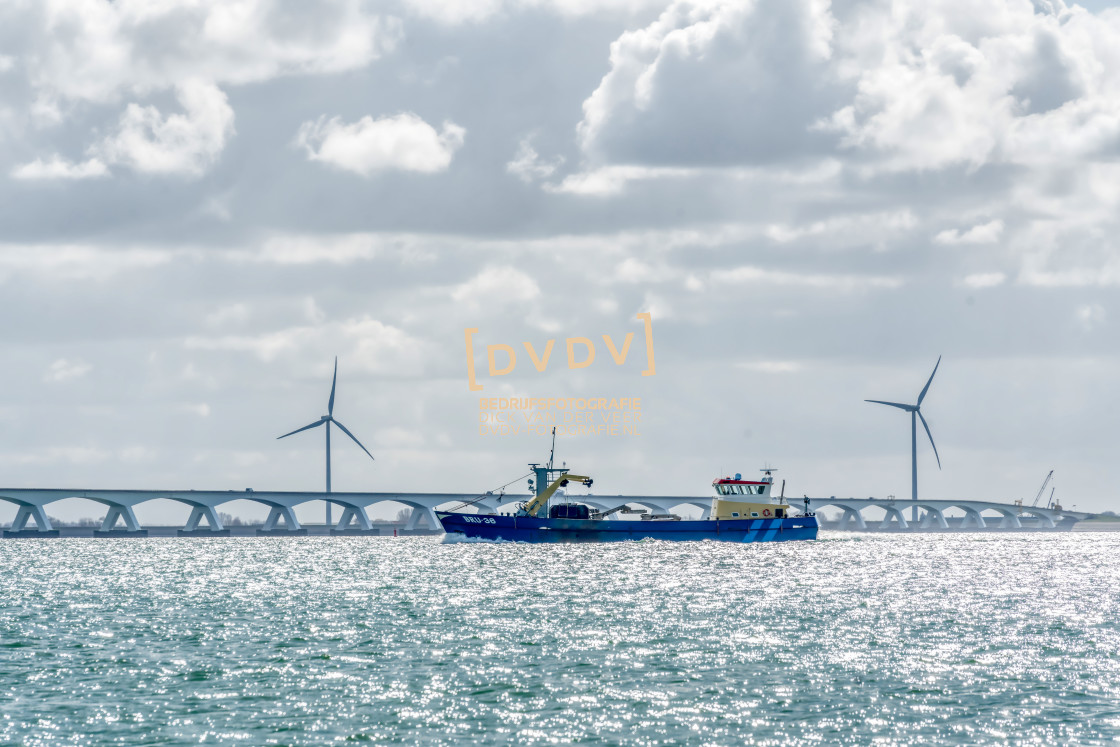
(281, 504)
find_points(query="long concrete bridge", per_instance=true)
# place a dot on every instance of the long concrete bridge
(204, 519)
(1004, 516)
(31, 515)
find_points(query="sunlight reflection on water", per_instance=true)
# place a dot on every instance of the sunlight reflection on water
(850, 639)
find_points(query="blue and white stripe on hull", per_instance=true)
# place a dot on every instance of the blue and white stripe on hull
(539, 530)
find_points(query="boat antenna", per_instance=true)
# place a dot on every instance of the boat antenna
(553, 451)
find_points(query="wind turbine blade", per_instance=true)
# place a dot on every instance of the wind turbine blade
(330, 403)
(316, 424)
(926, 388)
(908, 408)
(351, 435)
(931, 443)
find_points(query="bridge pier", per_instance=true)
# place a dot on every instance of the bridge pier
(25, 512)
(198, 513)
(275, 514)
(932, 518)
(423, 513)
(851, 515)
(1010, 521)
(894, 514)
(353, 515)
(972, 519)
(1047, 521)
(123, 513)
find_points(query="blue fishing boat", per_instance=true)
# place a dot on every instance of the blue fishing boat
(741, 511)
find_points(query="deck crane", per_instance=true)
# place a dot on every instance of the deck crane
(533, 507)
(546, 484)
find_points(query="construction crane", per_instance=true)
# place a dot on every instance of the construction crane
(1019, 501)
(1042, 489)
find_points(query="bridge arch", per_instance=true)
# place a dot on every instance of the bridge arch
(852, 516)
(1045, 516)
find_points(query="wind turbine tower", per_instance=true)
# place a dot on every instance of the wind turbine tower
(327, 420)
(916, 415)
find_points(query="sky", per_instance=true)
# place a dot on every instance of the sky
(202, 203)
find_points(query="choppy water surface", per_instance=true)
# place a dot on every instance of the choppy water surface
(850, 639)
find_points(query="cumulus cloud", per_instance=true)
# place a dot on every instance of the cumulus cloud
(758, 276)
(1003, 83)
(770, 367)
(57, 167)
(844, 230)
(888, 87)
(403, 142)
(374, 346)
(984, 233)
(95, 51)
(612, 180)
(187, 143)
(149, 142)
(528, 166)
(474, 11)
(984, 280)
(64, 370)
(497, 285)
(1091, 316)
(714, 83)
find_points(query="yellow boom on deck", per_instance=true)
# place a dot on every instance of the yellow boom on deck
(541, 499)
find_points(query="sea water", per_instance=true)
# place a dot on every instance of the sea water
(851, 639)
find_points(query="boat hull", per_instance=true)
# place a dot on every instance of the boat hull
(530, 529)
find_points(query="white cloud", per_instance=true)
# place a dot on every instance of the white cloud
(528, 166)
(985, 233)
(84, 455)
(82, 262)
(201, 409)
(634, 270)
(59, 168)
(179, 143)
(847, 229)
(713, 82)
(65, 370)
(7, 62)
(1105, 275)
(760, 277)
(770, 367)
(984, 280)
(999, 84)
(1091, 316)
(95, 51)
(367, 344)
(234, 314)
(403, 142)
(474, 11)
(612, 180)
(497, 285)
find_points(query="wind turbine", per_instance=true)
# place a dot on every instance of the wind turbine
(915, 415)
(327, 420)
